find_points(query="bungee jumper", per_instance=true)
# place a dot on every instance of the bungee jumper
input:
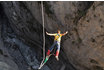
(57, 41)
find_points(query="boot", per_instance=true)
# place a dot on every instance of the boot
(48, 53)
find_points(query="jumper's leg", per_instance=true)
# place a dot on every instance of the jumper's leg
(58, 50)
(46, 59)
(48, 53)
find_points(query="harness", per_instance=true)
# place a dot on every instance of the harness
(58, 36)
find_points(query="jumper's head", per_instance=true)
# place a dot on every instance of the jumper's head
(59, 31)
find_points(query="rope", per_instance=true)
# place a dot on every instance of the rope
(43, 36)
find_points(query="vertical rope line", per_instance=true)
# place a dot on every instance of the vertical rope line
(43, 35)
(43, 32)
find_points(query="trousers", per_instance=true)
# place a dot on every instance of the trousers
(52, 47)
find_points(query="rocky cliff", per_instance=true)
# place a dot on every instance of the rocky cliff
(21, 35)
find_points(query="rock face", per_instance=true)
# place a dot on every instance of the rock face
(81, 49)
(6, 61)
(91, 33)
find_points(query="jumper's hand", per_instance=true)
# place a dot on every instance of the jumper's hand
(47, 33)
(66, 32)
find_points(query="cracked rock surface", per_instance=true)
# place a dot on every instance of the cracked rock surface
(21, 36)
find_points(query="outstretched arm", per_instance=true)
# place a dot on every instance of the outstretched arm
(50, 34)
(65, 33)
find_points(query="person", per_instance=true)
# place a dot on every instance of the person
(57, 40)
